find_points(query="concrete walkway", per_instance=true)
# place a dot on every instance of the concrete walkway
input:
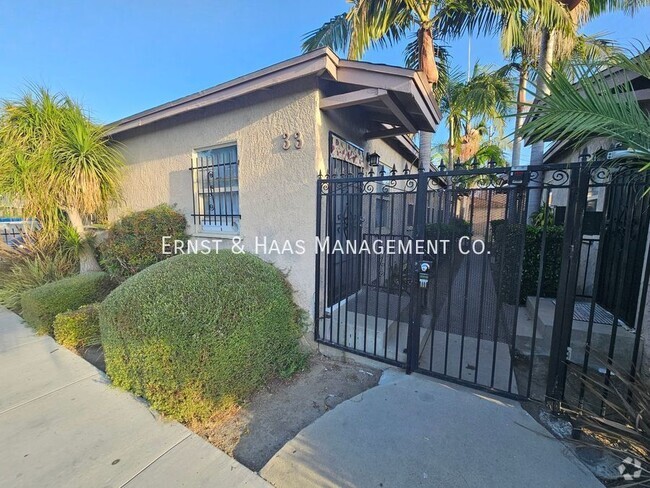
(61, 424)
(412, 431)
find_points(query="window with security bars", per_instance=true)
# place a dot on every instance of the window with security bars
(216, 189)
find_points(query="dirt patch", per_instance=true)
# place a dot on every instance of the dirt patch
(253, 433)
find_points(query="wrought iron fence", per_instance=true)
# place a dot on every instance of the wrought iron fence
(521, 319)
(10, 236)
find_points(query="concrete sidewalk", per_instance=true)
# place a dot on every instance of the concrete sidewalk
(412, 431)
(62, 424)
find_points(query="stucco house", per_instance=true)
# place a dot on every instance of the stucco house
(240, 160)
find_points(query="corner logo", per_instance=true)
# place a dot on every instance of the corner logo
(630, 469)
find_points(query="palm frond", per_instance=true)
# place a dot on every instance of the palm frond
(591, 107)
(377, 23)
(630, 7)
(490, 17)
(334, 34)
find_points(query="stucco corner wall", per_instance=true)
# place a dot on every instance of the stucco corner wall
(277, 186)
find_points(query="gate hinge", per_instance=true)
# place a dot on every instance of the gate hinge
(568, 353)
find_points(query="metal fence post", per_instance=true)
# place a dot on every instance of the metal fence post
(563, 319)
(415, 315)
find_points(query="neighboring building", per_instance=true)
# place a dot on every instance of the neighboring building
(613, 259)
(241, 159)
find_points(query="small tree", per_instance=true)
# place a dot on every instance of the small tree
(58, 164)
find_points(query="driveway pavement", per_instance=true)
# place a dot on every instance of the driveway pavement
(412, 431)
(62, 424)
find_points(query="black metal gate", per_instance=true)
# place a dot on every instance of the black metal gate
(453, 277)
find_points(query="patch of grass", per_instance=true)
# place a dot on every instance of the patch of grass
(41, 305)
(78, 329)
(196, 333)
(30, 267)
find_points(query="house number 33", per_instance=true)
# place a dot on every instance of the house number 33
(288, 140)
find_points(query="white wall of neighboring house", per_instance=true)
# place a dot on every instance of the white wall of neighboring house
(559, 197)
(277, 187)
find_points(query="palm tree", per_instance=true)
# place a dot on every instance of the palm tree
(580, 12)
(583, 49)
(520, 31)
(379, 23)
(58, 164)
(473, 105)
(589, 107)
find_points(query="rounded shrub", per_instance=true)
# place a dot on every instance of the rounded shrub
(78, 329)
(136, 241)
(41, 305)
(197, 332)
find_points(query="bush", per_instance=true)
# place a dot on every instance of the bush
(552, 261)
(41, 305)
(78, 329)
(38, 260)
(135, 242)
(507, 250)
(451, 231)
(28, 272)
(197, 332)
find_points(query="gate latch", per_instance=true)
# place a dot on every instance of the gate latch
(424, 268)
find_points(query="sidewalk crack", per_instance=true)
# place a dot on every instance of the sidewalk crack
(48, 393)
(155, 460)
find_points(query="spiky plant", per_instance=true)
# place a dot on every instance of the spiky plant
(57, 163)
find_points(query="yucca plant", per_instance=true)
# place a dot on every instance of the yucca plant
(58, 164)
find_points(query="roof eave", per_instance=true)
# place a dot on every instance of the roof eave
(315, 62)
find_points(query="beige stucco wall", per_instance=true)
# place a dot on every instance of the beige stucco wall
(277, 187)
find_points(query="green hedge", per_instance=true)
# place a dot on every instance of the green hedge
(135, 242)
(552, 261)
(452, 230)
(78, 329)
(199, 331)
(41, 305)
(507, 247)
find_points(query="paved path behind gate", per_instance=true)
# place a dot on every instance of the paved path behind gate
(62, 424)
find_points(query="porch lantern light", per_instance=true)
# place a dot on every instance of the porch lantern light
(373, 159)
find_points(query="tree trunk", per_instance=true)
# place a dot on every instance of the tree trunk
(427, 59)
(541, 90)
(425, 150)
(427, 64)
(87, 261)
(521, 115)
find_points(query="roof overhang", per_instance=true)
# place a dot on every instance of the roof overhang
(390, 95)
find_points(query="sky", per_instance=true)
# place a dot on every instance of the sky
(120, 57)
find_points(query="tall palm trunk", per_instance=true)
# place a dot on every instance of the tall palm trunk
(87, 260)
(427, 64)
(537, 149)
(427, 58)
(521, 114)
(425, 149)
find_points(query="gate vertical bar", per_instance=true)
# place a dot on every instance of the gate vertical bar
(415, 315)
(565, 303)
(319, 186)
